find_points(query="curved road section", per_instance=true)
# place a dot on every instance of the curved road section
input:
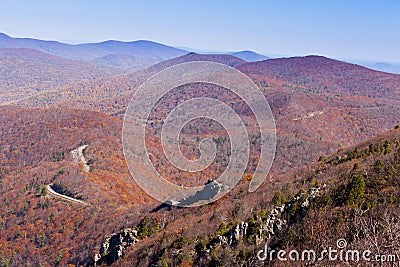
(78, 156)
(51, 191)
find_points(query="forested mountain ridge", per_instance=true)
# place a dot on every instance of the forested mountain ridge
(125, 55)
(25, 72)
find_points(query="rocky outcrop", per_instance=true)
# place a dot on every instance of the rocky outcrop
(232, 237)
(269, 226)
(114, 247)
(275, 222)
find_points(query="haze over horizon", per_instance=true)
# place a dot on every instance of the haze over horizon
(357, 30)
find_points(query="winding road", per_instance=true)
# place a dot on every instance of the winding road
(78, 156)
(51, 191)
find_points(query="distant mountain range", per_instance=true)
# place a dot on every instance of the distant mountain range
(382, 66)
(391, 67)
(141, 53)
(249, 56)
(125, 55)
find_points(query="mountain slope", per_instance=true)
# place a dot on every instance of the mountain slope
(351, 195)
(35, 151)
(325, 104)
(24, 72)
(313, 105)
(111, 95)
(324, 75)
(36, 227)
(125, 62)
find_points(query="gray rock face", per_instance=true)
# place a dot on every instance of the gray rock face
(274, 223)
(232, 237)
(113, 247)
(269, 226)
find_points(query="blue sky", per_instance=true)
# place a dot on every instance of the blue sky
(356, 29)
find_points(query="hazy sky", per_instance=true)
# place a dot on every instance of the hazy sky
(357, 29)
